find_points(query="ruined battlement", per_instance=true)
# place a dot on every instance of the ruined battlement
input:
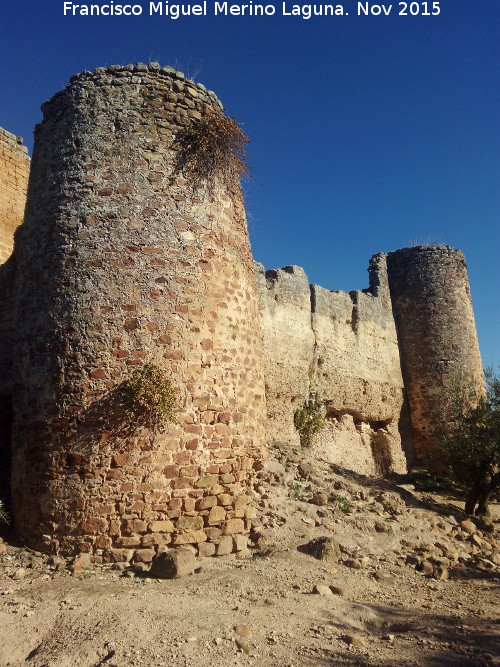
(123, 261)
(343, 346)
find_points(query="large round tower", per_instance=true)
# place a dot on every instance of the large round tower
(436, 331)
(123, 262)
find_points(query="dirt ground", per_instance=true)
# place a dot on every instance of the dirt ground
(415, 583)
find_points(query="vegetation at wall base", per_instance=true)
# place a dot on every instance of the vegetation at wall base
(309, 420)
(468, 449)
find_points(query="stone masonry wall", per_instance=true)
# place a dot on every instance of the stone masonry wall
(436, 329)
(124, 262)
(344, 347)
(14, 172)
(7, 330)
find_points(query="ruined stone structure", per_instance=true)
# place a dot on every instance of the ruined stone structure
(343, 347)
(435, 321)
(14, 172)
(121, 261)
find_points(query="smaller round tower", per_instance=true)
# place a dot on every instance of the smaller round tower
(436, 331)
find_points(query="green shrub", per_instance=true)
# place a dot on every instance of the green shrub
(309, 420)
(468, 447)
(147, 397)
(342, 503)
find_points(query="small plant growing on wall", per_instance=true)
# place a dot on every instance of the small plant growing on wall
(213, 145)
(147, 398)
(309, 420)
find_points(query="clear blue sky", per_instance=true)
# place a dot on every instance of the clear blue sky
(368, 133)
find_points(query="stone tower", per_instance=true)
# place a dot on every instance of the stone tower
(436, 330)
(123, 262)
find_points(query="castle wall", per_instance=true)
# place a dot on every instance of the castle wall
(289, 344)
(437, 332)
(344, 347)
(14, 172)
(122, 262)
(7, 329)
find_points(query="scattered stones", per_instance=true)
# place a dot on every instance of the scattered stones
(82, 562)
(306, 470)
(475, 539)
(355, 640)
(469, 526)
(173, 564)
(426, 567)
(242, 646)
(391, 502)
(323, 548)
(320, 589)
(244, 631)
(441, 573)
(319, 499)
(20, 573)
(357, 563)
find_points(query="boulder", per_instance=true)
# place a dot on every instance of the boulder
(173, 564)
(323, 548)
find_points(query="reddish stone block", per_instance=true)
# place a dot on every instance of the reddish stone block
(94, 526)
(114, 474)
(182, 457)
(131, 324)
(119, 460)
(134, 526)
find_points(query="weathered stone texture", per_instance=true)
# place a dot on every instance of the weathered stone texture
(14, 172)
(344, 347)
(436, 330)
(120, 262)
(285, 315)
(123, 262)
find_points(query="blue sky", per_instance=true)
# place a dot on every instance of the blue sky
(368, 132)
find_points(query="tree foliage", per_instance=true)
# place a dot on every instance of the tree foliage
(468, 449)
(309, 420)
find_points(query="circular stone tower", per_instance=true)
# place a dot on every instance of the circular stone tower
(436, 331)
(122, 263)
